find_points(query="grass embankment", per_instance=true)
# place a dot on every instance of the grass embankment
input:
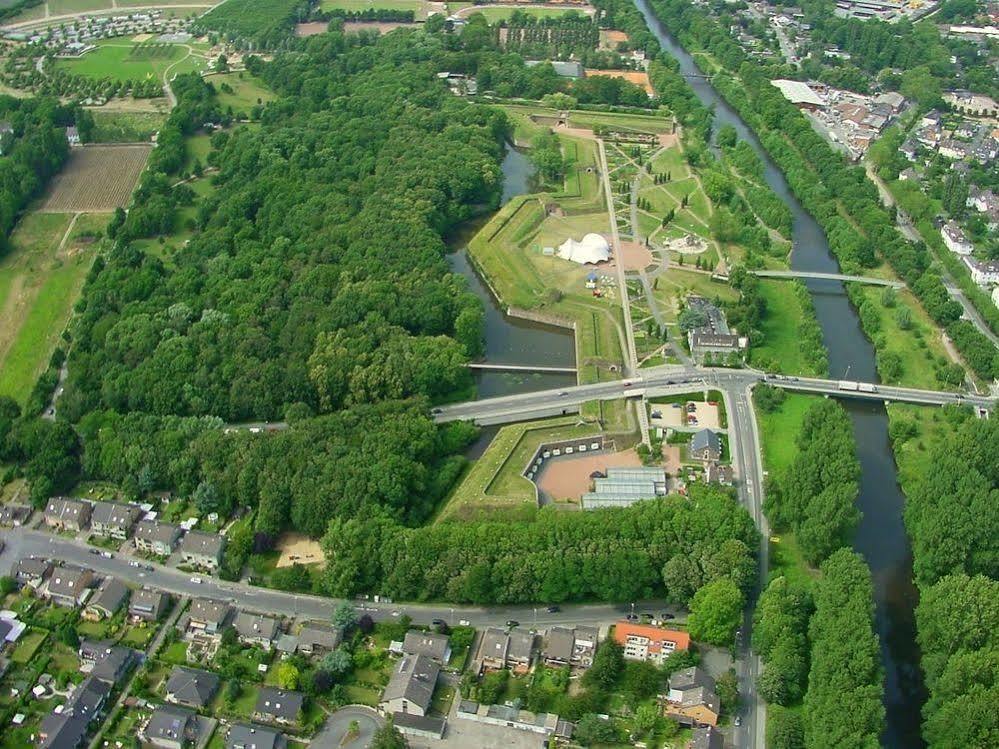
(40, 279)
(790, 340)
(778, 435)
(495, 481)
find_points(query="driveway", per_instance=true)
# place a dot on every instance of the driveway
(337, 725)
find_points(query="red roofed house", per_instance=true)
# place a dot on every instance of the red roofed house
(642, 642)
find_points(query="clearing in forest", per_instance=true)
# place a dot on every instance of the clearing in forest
(96, 179)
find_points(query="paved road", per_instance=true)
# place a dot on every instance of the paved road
(22, 542)
(338, 724)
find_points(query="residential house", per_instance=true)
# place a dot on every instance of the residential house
(953, 149)
(64, 514)
(706, 737)
(520, 653)
(494, 647)
(114, 519)
(148, 605)
(692, 699)
(429, 644)
(171, 727)
(105, 660)
(154, 537)
(909, 149)
(705, 445)
(31, 571)
(207, 616)
(69, 586)
(982, 273)
(278, 706)
(202, 550)
(14, 516)
(507, 716)
(642, 642)
(110, 596)
(955, 239)
(570, 646)
(191, 687)
(68, 728)
(703, 343)
(317, 638)
(256, 629)
(718, 474)
(250, 736)
(411, 687)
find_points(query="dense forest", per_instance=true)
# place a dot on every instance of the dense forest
(32, 153)
(255, 23)
(673, 546)
(860, 231)
(952, 515)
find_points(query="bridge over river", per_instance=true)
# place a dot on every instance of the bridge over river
(869, 280)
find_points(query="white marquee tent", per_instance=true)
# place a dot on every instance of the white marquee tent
(592, 249)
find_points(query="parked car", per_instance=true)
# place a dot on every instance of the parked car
(513, 623)
(196, 580)
(553, 609)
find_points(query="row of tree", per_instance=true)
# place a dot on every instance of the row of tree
(672, 547)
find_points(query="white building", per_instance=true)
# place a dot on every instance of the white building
(591, 250)
(983, 274)
(955, 239)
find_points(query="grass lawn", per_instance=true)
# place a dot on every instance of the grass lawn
(919, 348)
(65, 7)
(779, 349)
(362, 695)
(247, 91)
(94, 630)
(138, 636)
(441, 702)
(494, 481)
(124, 60)
(39, 283)
(175, 653)
(675, 285)
(931, 428)
(243, 706)
(116, 126)
(28, 645)
(786, 560)
(778, 431)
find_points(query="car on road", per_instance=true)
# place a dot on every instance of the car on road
(632, 617)
(439, 623)
(666, 616)
(148, 568)
(133, 563)
(738, 721)
(107, 555)
(553, 609)
(626, 383)
(92, 551)
(196, 580)
(437, 410)
(562, 393)
(513, 623)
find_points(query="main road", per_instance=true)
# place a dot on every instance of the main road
(25, 542)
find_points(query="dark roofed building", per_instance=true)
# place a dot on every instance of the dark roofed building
(319, 637)
(706, 737)
(191, 687)
(62, 513)
(106, 660)
(202, 549)
(154, 537)
(256, 629)
(110, 597)
(171, 727)
(69, 586)
(14, 516)
(430, 644)
(208, 615)
(411, 687)
(148, 605)
(705, 445)
(31, 571)
(420, 726)
(250, 736)
(114, 519)
(278, 706)
(68, 729)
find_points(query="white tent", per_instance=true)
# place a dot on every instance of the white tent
(592, 249)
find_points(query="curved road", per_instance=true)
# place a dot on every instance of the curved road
(338, 724)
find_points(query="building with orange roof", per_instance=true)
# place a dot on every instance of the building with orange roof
(642, 642)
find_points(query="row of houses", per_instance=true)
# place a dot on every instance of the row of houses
(121, 521)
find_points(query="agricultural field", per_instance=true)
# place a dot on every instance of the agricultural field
(126, 60)
(96, 178)
(419, 7)
(249, 19)
(40, 279)
(495, 15)
(119, 126)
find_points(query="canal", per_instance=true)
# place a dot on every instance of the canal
(881, 537)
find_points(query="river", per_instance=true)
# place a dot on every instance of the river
(881, 537)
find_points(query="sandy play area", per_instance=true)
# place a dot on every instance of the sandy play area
(297, 547)
(636, 256)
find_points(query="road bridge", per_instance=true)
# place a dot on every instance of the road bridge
(829, 277)
(520, 368)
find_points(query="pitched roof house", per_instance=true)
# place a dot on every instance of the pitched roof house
(114, 519)
(69, 586)
(319, 637)
(31, 571)
(105, 660)
(191, 687)
(411, 687)
(67, 514)
(110, 597)
(250, 736)
(154, 537)
(207, 615)
(202, 549)
(278, 706)
(432, 645)
(171, 727)
(148, 605)
(692, 699)
(256, 629)
(566, 646)
(705, 445)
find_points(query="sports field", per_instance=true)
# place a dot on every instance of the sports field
(40, 279)
(124, 60)
(96, 178)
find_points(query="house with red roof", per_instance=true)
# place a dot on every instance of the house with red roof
(642, 642)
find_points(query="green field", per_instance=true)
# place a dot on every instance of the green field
(495, 481)
(779, 430)
(494, 15)
(247, 91)
(417, 6)
(65, 7)
(111, 126)
(39, 283)
(123, 60)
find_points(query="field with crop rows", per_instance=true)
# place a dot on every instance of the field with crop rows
(97, 178)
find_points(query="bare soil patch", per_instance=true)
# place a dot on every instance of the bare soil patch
(97, 179)
(311, 29)
(636, 256)
(297, 548)
(382, 27)
(568, 477)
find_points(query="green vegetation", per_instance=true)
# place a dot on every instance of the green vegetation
(494, 15)
(121, 60)
(790, 340)
(815, 495)
(845, 659)
(495, 484)
(264, 23)
(239, 93)
(111, 126)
